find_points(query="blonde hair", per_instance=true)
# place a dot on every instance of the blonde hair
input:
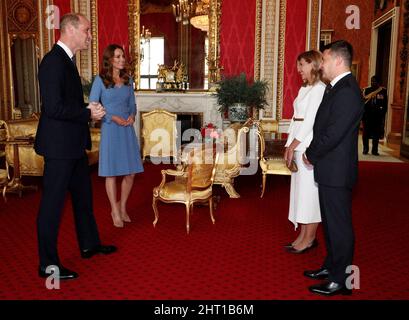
(314, 57)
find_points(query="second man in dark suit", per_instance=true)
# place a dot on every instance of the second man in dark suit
(334, 154)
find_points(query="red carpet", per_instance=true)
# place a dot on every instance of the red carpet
(240, 257)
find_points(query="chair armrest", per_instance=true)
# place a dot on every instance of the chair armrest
(170, 172)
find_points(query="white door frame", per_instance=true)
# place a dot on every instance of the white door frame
(391, 15)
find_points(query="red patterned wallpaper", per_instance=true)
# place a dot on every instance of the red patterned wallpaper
(334, 17)
(237, 34)
(295, 43)
(112, 24)
(65, 7)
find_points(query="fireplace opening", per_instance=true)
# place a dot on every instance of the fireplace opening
(189, 120)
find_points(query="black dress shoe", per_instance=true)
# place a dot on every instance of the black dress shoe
(313, 244)
(61, 273)
(375, 153)
(365, 152)
(320, 274)
(89, 253)
(330, 289)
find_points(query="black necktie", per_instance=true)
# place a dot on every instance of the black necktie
(327, 89)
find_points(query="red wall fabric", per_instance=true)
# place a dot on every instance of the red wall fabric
(65, 7)
(112, 24)
(237, 32)
(334, 17)
(295, 43)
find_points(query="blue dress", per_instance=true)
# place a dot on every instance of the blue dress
(119, 153)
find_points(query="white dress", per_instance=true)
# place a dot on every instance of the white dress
(304, 201)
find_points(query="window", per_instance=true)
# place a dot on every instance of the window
(152, 54)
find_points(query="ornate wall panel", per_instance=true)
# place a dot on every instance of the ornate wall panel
(84, 58)
(313, 24)
(5, 111)
(237, 35)
(266, 57)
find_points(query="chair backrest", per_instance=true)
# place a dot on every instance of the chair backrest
(21, 128)
(201, 168)
(159, 133)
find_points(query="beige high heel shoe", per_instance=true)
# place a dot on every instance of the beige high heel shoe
(124, 216)
(117, 220)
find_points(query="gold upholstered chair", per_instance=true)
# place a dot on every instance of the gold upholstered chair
(231, 161)
(4, 173)
(193, 183)
(31, 164)
(159, 134)
(273, 163)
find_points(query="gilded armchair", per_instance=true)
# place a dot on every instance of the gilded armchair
(159, 134)
(269, 164)
(232, 161)
(193, 183)
(30, 163)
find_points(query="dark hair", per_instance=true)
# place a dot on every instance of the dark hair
(70, 19)
(343, 49)
(106, 67)
(314, 57)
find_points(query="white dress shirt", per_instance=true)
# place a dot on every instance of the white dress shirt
(334, 82)
(66, 49)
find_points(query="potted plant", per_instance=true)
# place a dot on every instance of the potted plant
(237, 96)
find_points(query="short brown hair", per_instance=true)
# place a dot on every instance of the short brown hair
(343, 49)
(70, 19)
(314, 57)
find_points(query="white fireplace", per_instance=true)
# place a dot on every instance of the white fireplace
(180, 103)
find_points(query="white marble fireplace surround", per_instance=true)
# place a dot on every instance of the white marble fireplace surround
(195, 102)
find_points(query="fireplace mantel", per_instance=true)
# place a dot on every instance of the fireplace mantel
(192, 102)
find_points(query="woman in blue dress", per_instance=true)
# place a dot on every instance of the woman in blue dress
(119, 150)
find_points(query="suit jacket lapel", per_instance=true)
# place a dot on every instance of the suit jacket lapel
(69, 62)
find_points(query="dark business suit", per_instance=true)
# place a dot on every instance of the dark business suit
(334, 154)
(62, 138)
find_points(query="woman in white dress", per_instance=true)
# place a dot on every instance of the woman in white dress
(304, 202)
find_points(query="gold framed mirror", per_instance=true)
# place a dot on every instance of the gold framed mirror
(142, 31)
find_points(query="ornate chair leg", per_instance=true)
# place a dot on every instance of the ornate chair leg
(264, 184)
(155, 210)
(211, 209)
(187, 217)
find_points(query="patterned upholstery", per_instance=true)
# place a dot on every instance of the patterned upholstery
(269, 165)
(32, 164)
(193, 183)
(159, 134)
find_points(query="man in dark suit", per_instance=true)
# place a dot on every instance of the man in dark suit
(376, 105)
(334, 154)
(62, 139)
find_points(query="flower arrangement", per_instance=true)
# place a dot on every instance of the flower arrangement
(210, 132)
